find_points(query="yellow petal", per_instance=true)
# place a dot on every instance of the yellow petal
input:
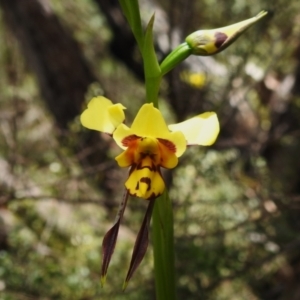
(129, 156)
(179, 140)
(168, 159)
(120, 135)
(149, 122)
(125, 159)
(102, 115)
(200, 130)
(145, 183)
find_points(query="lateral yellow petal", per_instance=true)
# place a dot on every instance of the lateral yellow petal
(168, 159)
(102, 115)
(120, 135)
(179, 140)
(200, 130)
(125, 159)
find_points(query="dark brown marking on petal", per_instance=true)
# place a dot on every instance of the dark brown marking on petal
(137, 186)
(152, 169)
(220, 39)
(140, 166)
(168, 144)
(146, 180)
(128, 139)
(153, 196)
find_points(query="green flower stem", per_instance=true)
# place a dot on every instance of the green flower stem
(179, 54)
(163, 241)
(152, 90)
(162, 226)
(163, 247)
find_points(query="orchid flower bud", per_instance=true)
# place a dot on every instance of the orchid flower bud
(209, 42)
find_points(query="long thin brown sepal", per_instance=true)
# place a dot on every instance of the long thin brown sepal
(141, 244)
(110, 239)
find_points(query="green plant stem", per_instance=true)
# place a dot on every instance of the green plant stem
(162, 226)
(163, 247)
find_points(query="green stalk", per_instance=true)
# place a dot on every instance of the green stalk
(179, 54)
(163, 247)
(162, 226)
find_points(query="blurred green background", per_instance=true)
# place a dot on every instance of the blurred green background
(236, 204)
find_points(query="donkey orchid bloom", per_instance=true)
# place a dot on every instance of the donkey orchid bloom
(149, 143)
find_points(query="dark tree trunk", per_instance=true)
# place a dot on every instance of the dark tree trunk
(62, 73)
(123, 45)
(54, 56)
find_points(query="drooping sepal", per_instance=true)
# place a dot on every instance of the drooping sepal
(141, 244)
(110, 239)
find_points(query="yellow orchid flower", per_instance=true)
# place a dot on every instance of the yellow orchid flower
(149, 143)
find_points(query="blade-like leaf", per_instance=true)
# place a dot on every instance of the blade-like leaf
(151, 66)
(110, 239)
(141, 244)
(132, 13)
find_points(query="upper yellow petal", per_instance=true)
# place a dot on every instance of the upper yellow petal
(200, 130)
(149, 122)
(102, 115)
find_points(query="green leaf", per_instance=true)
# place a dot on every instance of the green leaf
(163, 246)
(132, 13)
(151, 66)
